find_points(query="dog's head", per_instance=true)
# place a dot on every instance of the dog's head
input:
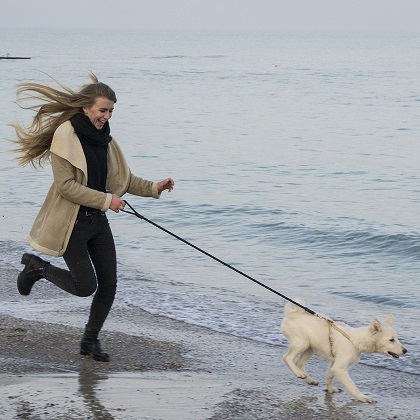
(385, 338)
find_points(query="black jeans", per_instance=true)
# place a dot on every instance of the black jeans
(92, 263)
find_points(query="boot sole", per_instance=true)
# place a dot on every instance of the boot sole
(95, 357)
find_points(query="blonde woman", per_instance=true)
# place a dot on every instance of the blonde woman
(71, 130)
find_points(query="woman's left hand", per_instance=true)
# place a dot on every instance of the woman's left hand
(166, 184)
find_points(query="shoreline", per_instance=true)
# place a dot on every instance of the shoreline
(31, 347)
(192, 374)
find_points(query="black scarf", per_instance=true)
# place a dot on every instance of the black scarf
(86, 131)
(95, 145)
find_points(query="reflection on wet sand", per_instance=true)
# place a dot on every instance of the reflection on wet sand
(88, 386)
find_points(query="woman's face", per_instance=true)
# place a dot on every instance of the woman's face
(100, 112)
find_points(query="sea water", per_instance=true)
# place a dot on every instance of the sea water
(295, 158)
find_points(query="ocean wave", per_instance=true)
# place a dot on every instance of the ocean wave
(394, 301)
(344, 237)
(166, 57)
(357, 243)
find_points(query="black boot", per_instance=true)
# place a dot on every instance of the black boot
(90, 346)
(33, 271)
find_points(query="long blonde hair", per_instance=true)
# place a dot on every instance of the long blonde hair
(57, 106)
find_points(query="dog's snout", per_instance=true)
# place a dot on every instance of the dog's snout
(404, 350)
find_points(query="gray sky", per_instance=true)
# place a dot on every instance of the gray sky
(389, 15)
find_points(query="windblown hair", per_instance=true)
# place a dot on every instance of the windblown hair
(57, 106)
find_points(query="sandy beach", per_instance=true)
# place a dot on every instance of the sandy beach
(173, 371)
(192, 374)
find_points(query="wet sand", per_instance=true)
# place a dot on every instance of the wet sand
(192, 374)
(173, 371)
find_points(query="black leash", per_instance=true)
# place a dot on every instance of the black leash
(135, 213)
(327, 319)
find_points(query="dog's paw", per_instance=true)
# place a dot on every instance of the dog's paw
(311, 381)
(333, 390)
(365, 399)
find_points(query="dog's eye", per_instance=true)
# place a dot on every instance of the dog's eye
(392, 340)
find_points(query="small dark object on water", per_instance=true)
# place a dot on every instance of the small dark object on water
(9, 57)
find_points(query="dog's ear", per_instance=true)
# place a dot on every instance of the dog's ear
(389, 320)
(375, 326)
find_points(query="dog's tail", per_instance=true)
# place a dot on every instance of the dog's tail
(290, 308)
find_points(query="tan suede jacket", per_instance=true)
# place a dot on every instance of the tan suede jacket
(54, 223)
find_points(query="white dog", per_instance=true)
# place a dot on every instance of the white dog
(309, 334)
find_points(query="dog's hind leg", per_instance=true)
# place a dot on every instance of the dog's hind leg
(341, 373)
(303, 354)
(300, 363)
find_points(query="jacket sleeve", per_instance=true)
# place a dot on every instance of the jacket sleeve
(69, 183)
(121, 180)
(142, 187)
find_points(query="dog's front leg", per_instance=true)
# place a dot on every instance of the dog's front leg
(341, 373)
(330, 377)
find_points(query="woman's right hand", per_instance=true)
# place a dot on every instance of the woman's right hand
(116, 203)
